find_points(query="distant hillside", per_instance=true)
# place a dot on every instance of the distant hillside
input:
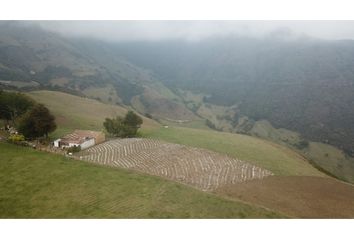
(305, 85)
(42, 60)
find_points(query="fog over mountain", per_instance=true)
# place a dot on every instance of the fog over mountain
(198, 30)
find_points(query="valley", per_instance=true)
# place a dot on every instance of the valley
(232, 126)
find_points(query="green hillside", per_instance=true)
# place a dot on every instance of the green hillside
(43, 185)
(304, 85)
(76, 112)
(280, 160)
(234, 84)
(325, 156)
(33, 58)
(73, 112)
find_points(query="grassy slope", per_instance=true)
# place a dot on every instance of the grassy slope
(280, 160)
(323, 156)
(297, 196)
(331, 159)
(326, 156)
(199, 124)
(42, 185)
(74, 112)
(106, 94)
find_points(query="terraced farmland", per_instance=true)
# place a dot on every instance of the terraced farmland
(200, 168)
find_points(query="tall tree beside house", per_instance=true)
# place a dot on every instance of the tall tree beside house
(37, 122)
(13, 105)
(123, 127)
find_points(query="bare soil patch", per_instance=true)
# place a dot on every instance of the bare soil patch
(297, 196)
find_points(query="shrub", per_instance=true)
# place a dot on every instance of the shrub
(16, 138)
(210, 124)
(73, 149)
(302, 144)
(148, 115)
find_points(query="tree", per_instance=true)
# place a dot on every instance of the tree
(133, 120)
(115, 126)
(13, 105)
(37, 122)
(5, 113)
(123, 127)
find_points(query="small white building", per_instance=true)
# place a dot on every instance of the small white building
(89, 142)
(57, 143)
(84, 139)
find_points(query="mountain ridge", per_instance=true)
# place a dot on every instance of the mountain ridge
(229, 84)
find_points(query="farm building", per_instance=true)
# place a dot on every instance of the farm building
(82, 138)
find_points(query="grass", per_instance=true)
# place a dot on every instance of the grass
(278, 159)
(199, 124)
(332, 160)
(36, 184)
(73, 112)
(106, 94)
(297, 196)
(324, 156)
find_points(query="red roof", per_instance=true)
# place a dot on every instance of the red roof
(79, 136)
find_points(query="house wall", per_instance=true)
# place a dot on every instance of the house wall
(73, 145)
(87, 144)
(56, 142)
(100, 138)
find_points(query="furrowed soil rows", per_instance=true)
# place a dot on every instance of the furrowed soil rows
(203, 169)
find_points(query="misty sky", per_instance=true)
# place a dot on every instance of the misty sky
(196, 30)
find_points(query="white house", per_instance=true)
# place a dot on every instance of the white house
(82, 138)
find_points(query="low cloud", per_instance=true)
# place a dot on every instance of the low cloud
(197, 30)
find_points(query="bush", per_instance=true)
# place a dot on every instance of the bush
(16, 138)
(302, 144)
(73, 149)
(148, 115)
(210, 124)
